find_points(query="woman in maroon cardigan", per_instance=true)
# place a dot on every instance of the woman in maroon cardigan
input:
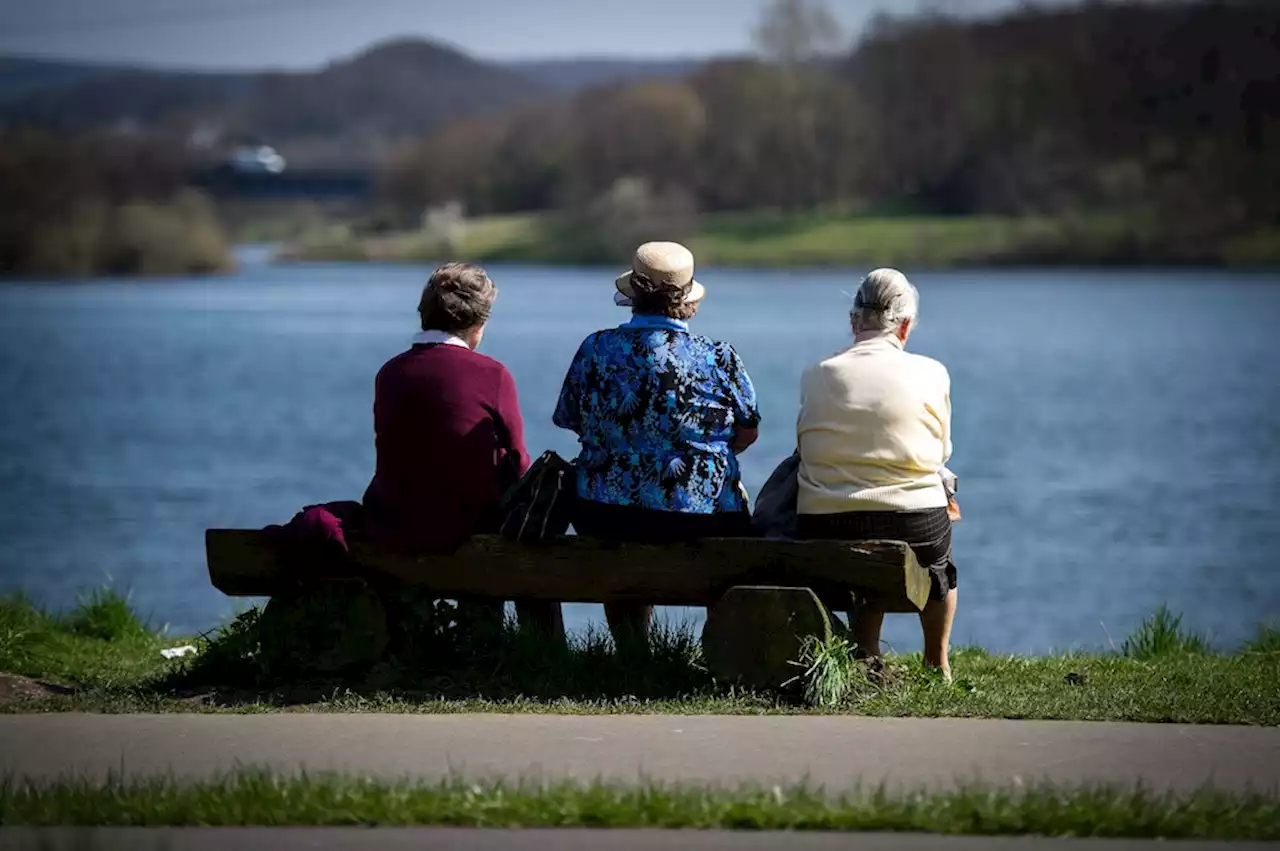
(449, 434)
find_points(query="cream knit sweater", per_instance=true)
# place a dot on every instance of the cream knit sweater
(874, 430)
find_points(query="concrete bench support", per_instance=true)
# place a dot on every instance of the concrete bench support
(754, 635)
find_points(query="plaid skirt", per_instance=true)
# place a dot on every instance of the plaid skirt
(928, 533)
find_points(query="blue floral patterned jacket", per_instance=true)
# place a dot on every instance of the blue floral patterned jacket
(655, 408)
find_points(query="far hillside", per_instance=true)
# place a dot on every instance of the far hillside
(575, 75)
(351, 109)
(344, 110)
(20, 77)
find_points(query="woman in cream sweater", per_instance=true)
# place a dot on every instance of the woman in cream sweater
(875, 435)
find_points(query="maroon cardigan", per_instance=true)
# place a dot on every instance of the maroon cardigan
(449, 440)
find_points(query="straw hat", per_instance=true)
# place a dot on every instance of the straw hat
(665, 263)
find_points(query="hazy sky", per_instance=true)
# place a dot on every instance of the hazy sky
(292, 33)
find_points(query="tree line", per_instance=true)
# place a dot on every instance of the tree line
(1164, 112)
(1164, 116)
(99, 203)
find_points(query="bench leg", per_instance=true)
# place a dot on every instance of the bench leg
(629, 625)
(543, 618)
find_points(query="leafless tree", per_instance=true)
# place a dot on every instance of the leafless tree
(793, 32)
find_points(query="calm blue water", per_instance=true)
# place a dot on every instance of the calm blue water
(1117, 433)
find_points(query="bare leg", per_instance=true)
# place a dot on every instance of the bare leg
(629, 624)
(867, 621)
(936, 620)
(542, 617)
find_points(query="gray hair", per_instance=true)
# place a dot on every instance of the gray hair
(885, 299)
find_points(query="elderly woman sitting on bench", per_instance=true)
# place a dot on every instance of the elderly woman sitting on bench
(449, 433)
(661, 414)
(874, 435)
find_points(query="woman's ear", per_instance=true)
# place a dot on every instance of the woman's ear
(904, 329)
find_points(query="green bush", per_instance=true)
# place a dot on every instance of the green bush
(138, 238)
(91, 204)
(178, 237)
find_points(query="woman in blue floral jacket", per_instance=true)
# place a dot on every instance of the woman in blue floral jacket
(661, 414)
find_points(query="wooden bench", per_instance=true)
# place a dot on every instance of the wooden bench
(763, 596)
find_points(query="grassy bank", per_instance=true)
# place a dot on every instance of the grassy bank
(261, 798)
(764, 239)
(100, 645)
(101, 657)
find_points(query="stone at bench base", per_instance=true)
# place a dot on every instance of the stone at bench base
(754, 634)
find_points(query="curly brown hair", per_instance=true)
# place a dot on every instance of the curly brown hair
(457, 297)
(657, 299)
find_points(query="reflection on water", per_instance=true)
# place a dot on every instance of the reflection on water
(1117, 433)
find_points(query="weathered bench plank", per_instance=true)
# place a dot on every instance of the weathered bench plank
(583, 570)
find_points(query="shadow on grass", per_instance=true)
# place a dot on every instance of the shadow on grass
(447, 654)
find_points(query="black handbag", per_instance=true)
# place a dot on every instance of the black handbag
(539, 507)
(775, 514)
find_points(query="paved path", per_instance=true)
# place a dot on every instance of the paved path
(836, 752)
(463, 839)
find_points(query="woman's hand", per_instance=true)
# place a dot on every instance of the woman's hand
(953, 509)
(743, 438)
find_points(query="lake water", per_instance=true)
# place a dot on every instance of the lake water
(1117, 433)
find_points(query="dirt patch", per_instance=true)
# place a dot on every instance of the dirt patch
(15, 689)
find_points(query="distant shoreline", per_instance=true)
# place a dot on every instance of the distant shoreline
(813, 241)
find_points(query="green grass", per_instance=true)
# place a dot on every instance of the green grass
(101, 644)
(117, 667)
(769, 239)
(1162, 635)
(1266, 641)
(521, 237)
(1259, 248)
(105, 614)
(263, 798)
(765, 238)
(829, 675)
(1236, 689)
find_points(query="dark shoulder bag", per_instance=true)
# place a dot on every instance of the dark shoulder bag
(776, 515)
(539, 507)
